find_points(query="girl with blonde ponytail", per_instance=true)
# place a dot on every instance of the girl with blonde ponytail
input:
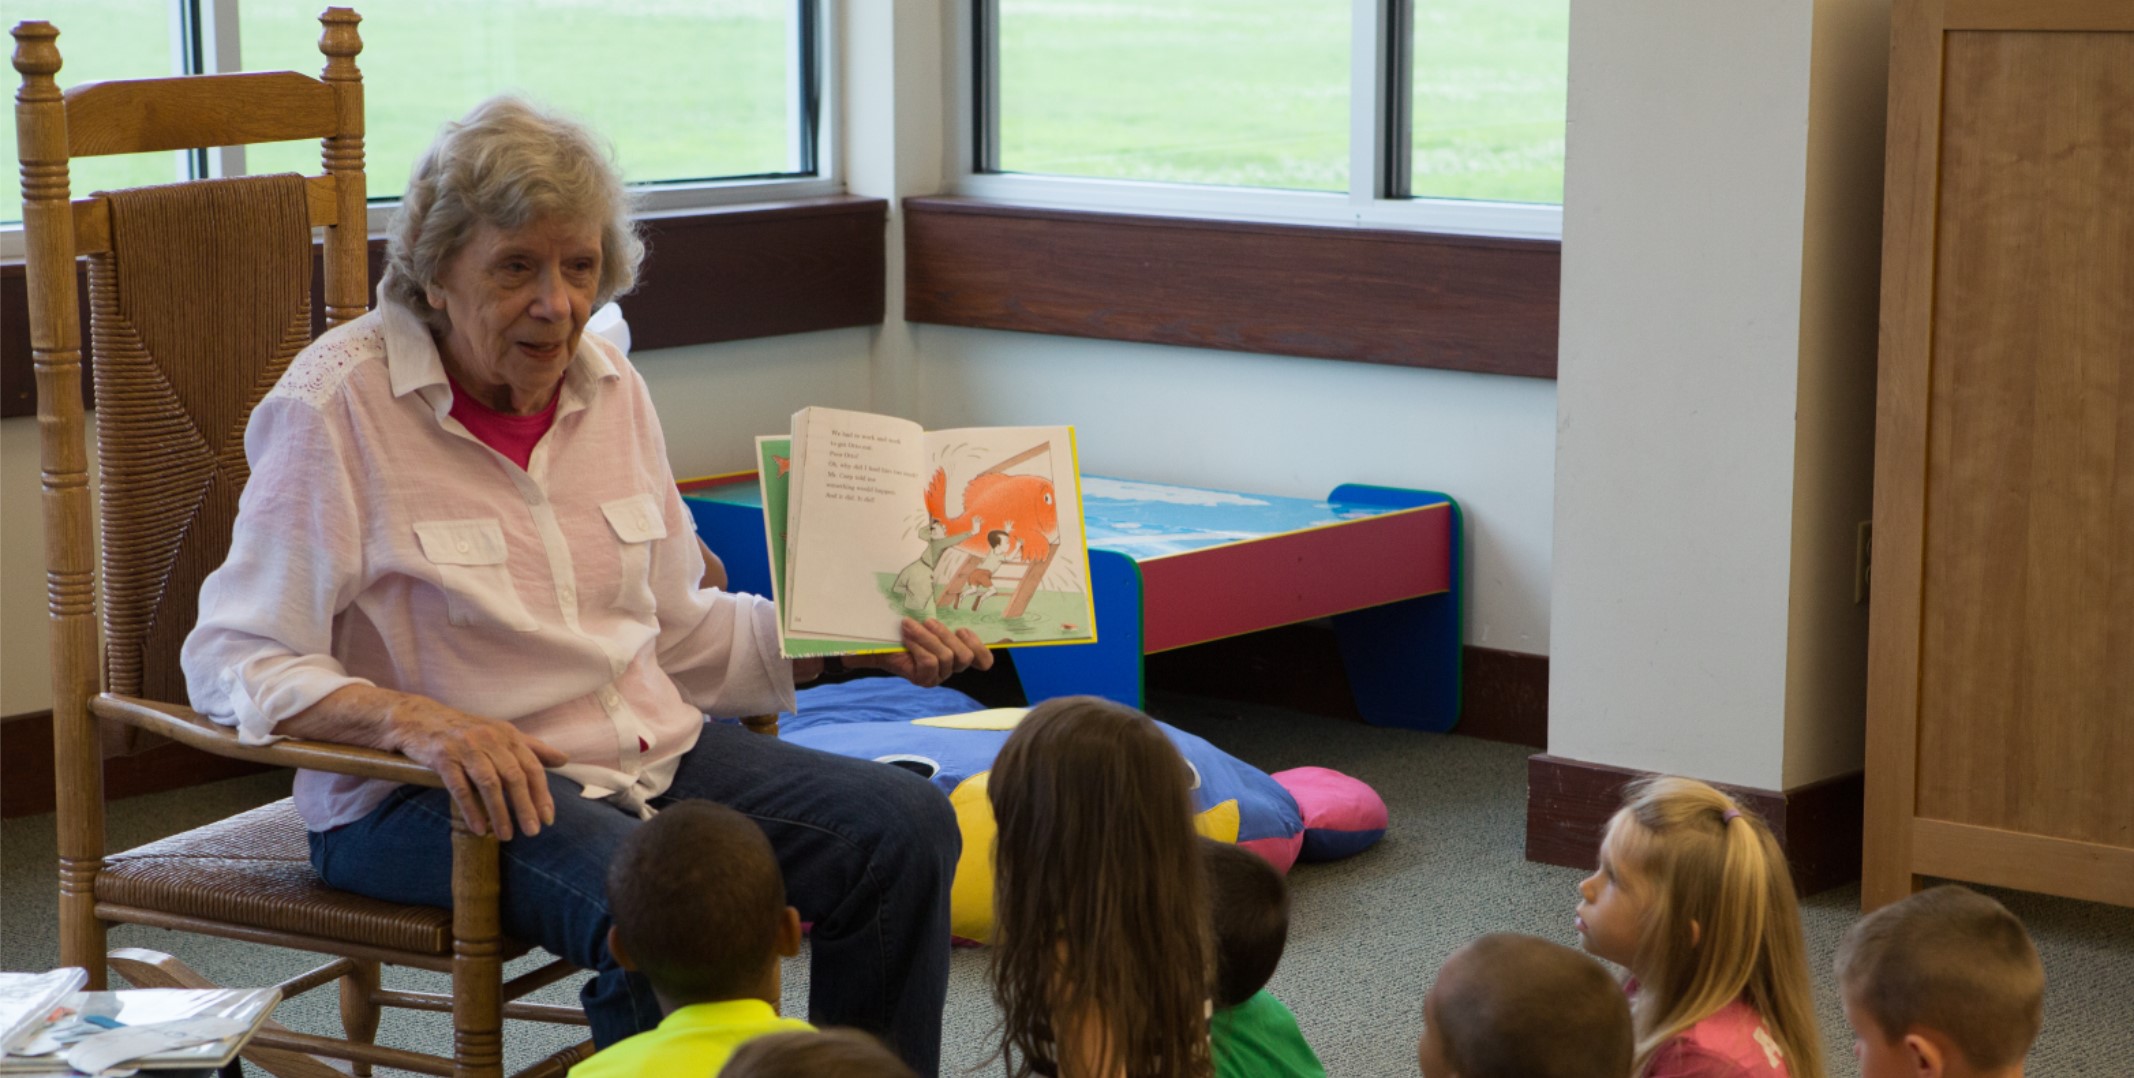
(1692, 896)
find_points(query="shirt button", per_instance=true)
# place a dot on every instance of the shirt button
(533, 497)
(609, 697)
(566, 594)
(463, 546)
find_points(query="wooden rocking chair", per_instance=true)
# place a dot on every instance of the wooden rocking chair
(176, 379)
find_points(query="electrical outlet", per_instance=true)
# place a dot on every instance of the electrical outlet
(1863, 562)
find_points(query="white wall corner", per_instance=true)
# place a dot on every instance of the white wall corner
(1678, 376)
(896, 87)
(1826, 654)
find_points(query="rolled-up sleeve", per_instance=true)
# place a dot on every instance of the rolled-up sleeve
(262, 648)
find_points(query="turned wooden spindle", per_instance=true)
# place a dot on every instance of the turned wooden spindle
(56, 355)
(347, 285)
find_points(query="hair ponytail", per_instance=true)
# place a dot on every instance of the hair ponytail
(1723, 924)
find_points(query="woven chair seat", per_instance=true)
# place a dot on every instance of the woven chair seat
(254, 870)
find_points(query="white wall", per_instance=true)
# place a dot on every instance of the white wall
(1834, 450)
(1284, 425)
(1694, 533)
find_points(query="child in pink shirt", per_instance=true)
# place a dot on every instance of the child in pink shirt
(1693, 898)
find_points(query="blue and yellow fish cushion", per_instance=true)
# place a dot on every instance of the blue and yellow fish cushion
(951, 740)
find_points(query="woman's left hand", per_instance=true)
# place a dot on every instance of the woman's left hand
(931, 654)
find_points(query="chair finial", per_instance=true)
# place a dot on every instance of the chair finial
(37, 58)
(340, 40)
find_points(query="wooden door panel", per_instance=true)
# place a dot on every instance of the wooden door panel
(2026, 674)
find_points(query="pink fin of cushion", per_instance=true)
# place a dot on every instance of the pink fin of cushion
(1342, 815)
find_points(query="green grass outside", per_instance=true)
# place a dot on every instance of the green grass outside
(1250, 92)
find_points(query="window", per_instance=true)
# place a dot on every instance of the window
(708, 101)
(1438, 114)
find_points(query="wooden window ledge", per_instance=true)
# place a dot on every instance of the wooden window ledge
(1375, 295)
(718, 274)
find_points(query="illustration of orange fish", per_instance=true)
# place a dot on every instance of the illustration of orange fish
(1024, 499)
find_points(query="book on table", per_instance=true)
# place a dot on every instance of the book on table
(871, 519)
(47, 1025)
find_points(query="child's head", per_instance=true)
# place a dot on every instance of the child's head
(1693, 897)
(998, 541)
(847, 1053)
(1099, 902)
(1250, 905)
(698, 907)
(1508, 1006)
(1943, 982)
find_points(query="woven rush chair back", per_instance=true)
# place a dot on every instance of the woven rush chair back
(196, 309)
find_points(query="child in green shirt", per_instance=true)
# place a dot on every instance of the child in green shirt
(1253, 1035)
(699, 908)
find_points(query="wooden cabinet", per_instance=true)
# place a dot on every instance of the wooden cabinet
(2000, 741)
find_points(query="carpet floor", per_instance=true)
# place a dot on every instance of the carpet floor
(1367, 933)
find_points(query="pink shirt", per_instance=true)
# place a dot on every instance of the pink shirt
(514, 436)
(378, 542)
(1731, 1043)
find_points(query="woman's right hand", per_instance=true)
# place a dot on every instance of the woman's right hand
(494, 772)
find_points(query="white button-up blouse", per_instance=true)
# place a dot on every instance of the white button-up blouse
(378, 542)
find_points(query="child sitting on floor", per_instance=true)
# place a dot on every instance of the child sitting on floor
(1101, 957)
(1510, 1006)
(1693, 897)
(844, 1053)
(699, 908)
(1944, 984)
(1253, 1035)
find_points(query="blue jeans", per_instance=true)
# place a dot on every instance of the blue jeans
(868, 853)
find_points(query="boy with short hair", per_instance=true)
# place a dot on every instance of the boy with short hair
(1251, 1033)
(1944, 984)
(1511, 1006)
(698, 907)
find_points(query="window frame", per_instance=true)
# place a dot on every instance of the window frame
(1380, 135)
(205, 40)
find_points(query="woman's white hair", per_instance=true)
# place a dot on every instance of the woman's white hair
(507, 164)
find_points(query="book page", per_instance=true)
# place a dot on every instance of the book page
(774, 462)
(1012, 564)
(850, 528)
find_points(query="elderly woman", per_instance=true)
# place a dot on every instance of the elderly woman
(462, 541)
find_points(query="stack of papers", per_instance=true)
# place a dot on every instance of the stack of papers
(47, 1025)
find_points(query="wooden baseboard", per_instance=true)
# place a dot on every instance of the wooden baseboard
(27, 783)
(1505, 694)
(1568, 803)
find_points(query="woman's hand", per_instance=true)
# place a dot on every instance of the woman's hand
(493, 771)
(931, 654)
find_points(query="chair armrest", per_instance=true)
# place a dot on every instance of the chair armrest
(189, 727)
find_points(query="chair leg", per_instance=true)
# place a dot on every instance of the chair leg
(359, 1009)
(154, 969)
(477, 955)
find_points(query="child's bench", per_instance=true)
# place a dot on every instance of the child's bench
(1174, 566)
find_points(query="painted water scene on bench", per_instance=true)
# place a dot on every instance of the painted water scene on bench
(872, 519)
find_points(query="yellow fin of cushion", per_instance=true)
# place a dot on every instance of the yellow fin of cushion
(970, 898)
(1220, 822)
(999, 718)
(970, 901)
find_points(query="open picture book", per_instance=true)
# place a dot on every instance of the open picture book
(871, 519)
(48, 1025)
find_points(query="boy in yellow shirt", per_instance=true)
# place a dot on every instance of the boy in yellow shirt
(698, 907)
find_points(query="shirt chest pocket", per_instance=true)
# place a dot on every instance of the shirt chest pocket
(637, 522)
(469, 556)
